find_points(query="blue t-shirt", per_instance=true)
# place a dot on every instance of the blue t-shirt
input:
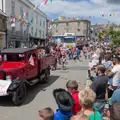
(115, 97)
(78, 52)
(60, 115)
(108, 64)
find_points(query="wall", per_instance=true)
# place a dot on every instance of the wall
(25, 6)
(79, 27)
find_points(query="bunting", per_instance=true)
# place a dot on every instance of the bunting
(51, 1)
(45, 2)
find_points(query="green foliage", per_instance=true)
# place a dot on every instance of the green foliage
(111, 34)
(101, 35)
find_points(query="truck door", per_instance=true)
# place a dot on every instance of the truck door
(32, 69)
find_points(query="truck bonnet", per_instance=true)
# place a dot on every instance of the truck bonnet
(9, 67)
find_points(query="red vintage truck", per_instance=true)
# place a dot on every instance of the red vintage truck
(21, 66)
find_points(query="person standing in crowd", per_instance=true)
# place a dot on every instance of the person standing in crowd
(74, 52)
(63, 62)
(74, 57)
(95, 59)
(54, 60)
(115, 97)
(70, 54)
(99, 86)
(59, 56)
(85, 51)
(65, 104)
(78, 52)
(115, 72)
(89, 53)
(107, 61)
(46, 114)
(114, 112)
(72, 87)
(87, 99)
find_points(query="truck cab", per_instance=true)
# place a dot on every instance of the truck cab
(21, 66)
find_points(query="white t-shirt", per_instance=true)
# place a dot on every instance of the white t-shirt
(95, 60)
(116, 77)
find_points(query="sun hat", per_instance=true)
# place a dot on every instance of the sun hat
(64, 99)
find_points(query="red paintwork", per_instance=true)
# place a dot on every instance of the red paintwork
(45, 62)
(23, 70)
(8, 66)
(14, 69)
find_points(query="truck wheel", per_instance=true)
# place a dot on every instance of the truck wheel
(19, 95)
(49, 71)
(46, 75)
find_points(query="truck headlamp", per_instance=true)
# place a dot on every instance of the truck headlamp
(9, 77)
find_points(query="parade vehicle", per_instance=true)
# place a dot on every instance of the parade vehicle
(20, 67)
(69, 40)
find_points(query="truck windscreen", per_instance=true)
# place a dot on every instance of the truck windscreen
(69, 40)
(13, 57)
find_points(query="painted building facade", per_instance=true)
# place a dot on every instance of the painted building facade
(28, 33)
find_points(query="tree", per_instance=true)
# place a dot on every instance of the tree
(101, 35)
(116, 38)
(112, 35)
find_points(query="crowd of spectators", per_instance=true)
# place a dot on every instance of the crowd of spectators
(100, 100)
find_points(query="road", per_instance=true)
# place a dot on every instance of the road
(40, 95)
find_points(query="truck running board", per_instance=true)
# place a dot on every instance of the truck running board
(33, 82)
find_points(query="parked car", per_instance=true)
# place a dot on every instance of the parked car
(21, 66)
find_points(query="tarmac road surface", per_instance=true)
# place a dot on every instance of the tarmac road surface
(40, 95)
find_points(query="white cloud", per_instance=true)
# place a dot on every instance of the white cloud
(99, 1)
(81, 8)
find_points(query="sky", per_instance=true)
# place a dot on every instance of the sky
(83, 9)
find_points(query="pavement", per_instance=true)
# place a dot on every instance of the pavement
(40, 95)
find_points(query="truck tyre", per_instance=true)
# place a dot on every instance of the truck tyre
(19, 94)
(46, 76)
(49, 71)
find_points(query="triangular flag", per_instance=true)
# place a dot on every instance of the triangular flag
(19, 17)
(51, 1)
(26, 13)
(102, 15)
(14, 20)
(45, 2)
(37, 6)
(9, 20)
(23, 15)
(31, 60)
